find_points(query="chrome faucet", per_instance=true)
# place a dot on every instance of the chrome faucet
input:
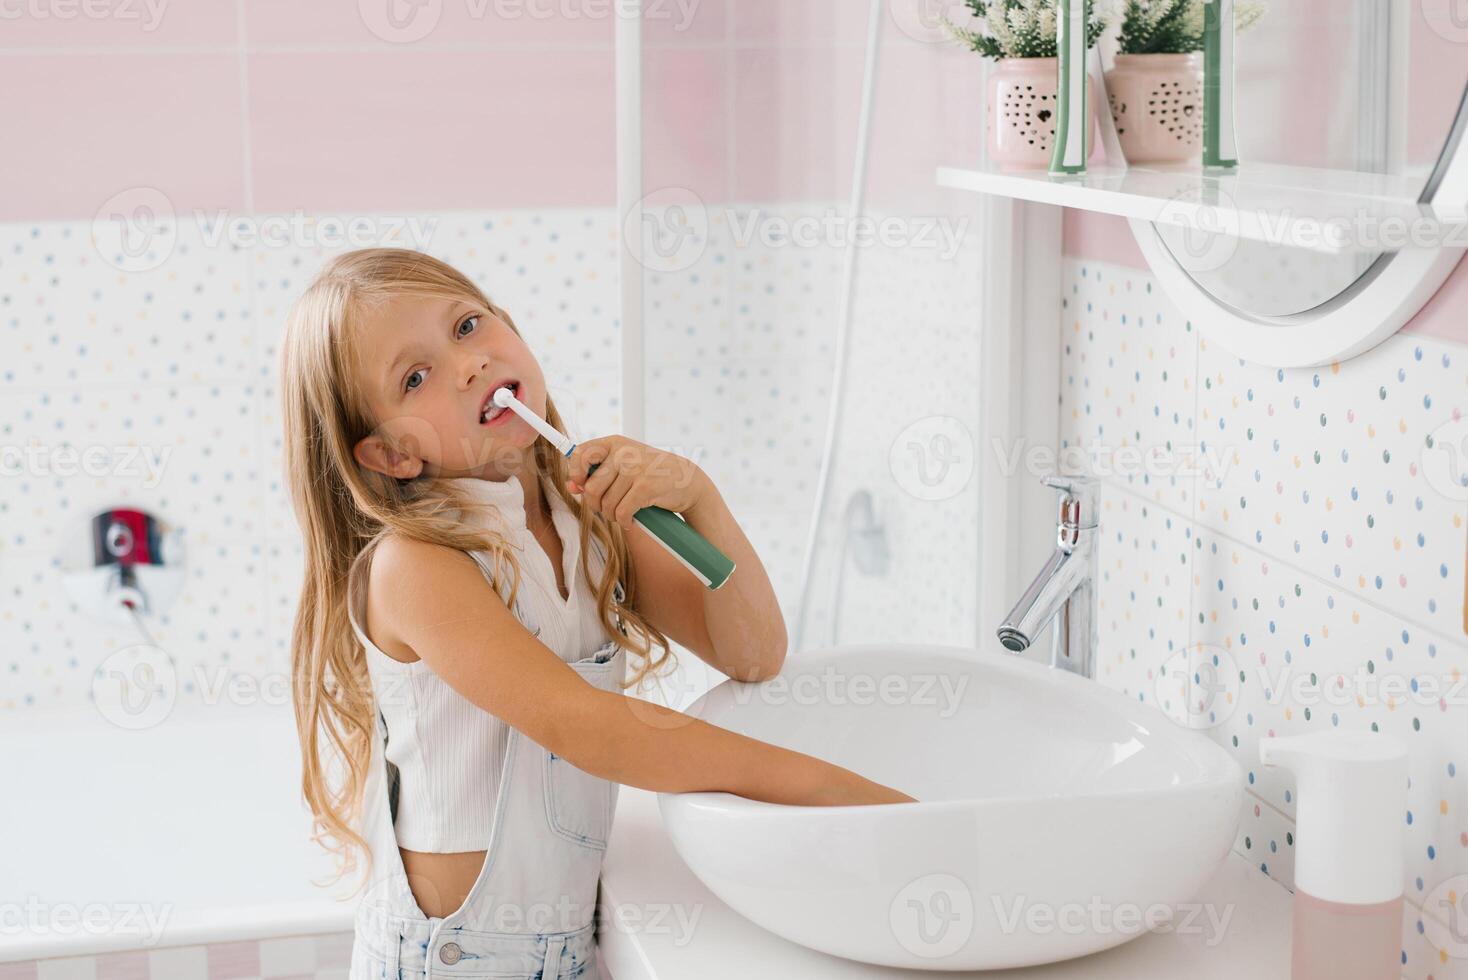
(1065, 586)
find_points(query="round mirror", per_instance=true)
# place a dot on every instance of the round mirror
(1351, 109)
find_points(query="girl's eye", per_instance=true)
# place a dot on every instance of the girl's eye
(467, 321)
(411, 384)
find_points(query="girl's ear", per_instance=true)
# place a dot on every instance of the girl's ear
(377, 455)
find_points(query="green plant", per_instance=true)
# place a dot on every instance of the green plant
(1018, 28)
(1175, 26)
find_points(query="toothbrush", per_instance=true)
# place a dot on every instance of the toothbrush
(694, 551)
(1220, 140)
(1072, 123)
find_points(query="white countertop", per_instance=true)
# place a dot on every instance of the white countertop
(662, 923)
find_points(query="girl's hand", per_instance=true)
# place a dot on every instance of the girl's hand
(854, 790)
(631, 475)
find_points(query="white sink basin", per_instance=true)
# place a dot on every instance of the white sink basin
(1056, 817)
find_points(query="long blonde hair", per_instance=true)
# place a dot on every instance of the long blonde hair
(344, 510)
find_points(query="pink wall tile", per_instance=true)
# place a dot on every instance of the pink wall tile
(95, 125)
(684, 126)
(427, 129)
(151, 23)
(1443, 315)
(928, 112)
(1103, 237)
(333, 949)
(223, 961)
(124, 966)
(1438, 72)
(678, 22)
(794, 123)
(1302, 139)
(456, 22)
(234, 961)
(806, 22)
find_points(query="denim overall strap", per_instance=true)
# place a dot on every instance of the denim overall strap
(531, 913)
(553, 951)
(392, 958)
(541, 875)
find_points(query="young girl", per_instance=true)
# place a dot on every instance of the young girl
(470, 598)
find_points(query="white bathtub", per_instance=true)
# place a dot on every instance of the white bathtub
(186, 833)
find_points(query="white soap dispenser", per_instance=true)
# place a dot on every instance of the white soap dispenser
(1351, 804)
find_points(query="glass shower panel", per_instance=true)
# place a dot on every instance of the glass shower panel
(750, 125)
(749, 120)
(896, 544)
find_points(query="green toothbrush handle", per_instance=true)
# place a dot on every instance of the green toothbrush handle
(696, 553)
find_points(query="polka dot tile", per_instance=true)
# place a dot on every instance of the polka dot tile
(1327, 468)
(1266, 839)
(72, 317)
(188, 454)
(1430, 949)
(554, 272)
(164, 385)
(1128, 384)
(1321, 559)
(1142, 599)
(286, 569)
(1304, 656)
(212, 632)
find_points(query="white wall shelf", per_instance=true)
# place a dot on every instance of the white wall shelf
(1321, 210)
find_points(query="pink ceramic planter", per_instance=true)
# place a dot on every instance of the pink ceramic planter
(1023, 109)
(1157, 102)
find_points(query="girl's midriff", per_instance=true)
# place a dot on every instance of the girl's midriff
(441, 882)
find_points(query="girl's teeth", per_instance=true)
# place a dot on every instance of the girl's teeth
(494, 411)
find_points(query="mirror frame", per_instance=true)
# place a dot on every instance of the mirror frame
(1374, 307)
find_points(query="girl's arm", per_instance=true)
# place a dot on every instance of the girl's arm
(436, 605)
(738, 628)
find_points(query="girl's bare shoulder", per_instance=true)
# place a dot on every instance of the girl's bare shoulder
(399, 566)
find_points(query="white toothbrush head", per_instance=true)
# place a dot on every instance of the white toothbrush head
(504, 398)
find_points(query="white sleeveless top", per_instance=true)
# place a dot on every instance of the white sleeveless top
(449, 752)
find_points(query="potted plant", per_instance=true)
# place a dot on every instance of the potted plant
(1156, 88)
(1021, 36)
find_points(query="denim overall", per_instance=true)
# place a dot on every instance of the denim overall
(530, 914)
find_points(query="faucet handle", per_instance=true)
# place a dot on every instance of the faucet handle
(1079, 498)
